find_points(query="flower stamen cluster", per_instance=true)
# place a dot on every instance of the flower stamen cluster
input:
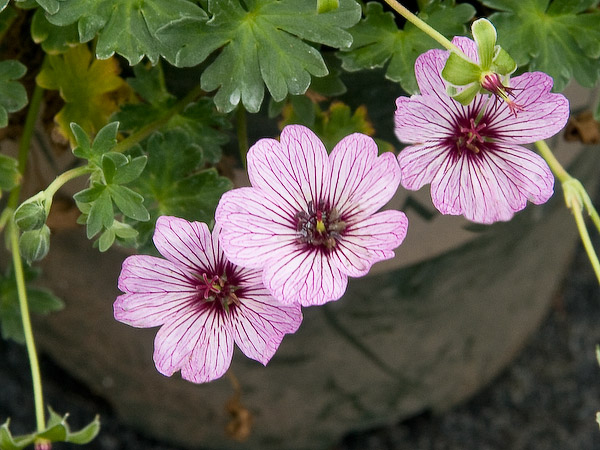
(218, 289)
(320, 227)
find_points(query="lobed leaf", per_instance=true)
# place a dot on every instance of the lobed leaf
(200, 119)
(9, 173)
(126, 27)
(377, 41)
(175, 183)
(91, 89)
(13, 96)
(263, 43)
(560, 38)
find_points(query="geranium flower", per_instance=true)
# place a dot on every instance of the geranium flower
(472, 155)
(202, 302)
(309, 219)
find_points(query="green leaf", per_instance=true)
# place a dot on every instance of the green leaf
(324, 6)
(54, 39)
(57, 430)
(9, 173)
(263, 44)
(101, 214)
(200, 119)
(175, 183)
(50, 6)
(129, 202)
(377, 39)
(133, 168)
(127, 27)
(13, 96)
(91, 89)
(560, 38)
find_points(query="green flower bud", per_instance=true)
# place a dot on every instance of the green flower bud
(34, 244)
(31, 215)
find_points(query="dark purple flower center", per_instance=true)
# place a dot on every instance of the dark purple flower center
(469, 137)
(220, 290)
(320, 226)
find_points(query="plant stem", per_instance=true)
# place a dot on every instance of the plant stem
(242, 133)
(29, 341)
(13, 201)
(556, 167)
(428, 30)
(25, 143)
(147, 130)
(576, 198)
(63, 178)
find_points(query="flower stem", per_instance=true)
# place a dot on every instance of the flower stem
(13, 201)
(147, 130)
(576, 198)
(428, 30)
(29, 341)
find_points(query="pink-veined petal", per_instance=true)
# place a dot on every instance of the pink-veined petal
(213, 350)
(253, 227)
(292, 170)
(369, 241)
(188, 245)
(420, 163)
(543, 113)
(260, 323)
(361, 182)
(154, 290)
(423, 118)
(305, 276)
(195, 327)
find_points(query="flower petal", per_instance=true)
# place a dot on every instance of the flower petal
(305, 276)
(291, 170)
(199, 343)
(361, 182)
(260, 322)
(493, 186)
(253, 226)
(423, 118)
(420, 163)
(544, 114)
(373, 239)
(154, 289)
(188, 245)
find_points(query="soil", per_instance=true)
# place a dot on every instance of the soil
(546, 399)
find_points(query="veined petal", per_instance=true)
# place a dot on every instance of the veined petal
(493, 186)
(290, 170)
(420, 163)
(213, 350)
(253, 226)
(369, 241)
(361, 182)
(305, 276)
(146, 274)
(187, 245)
(198, 329)
(423, 118)
(260, 323)
(543, 114)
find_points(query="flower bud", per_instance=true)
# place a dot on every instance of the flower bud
(31, 215)
(34, 244)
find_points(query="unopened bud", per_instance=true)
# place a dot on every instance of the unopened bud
(34, 244)
(31, 215)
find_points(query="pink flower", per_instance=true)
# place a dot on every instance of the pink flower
(472, 155)
(309, 219)
(202, 302)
